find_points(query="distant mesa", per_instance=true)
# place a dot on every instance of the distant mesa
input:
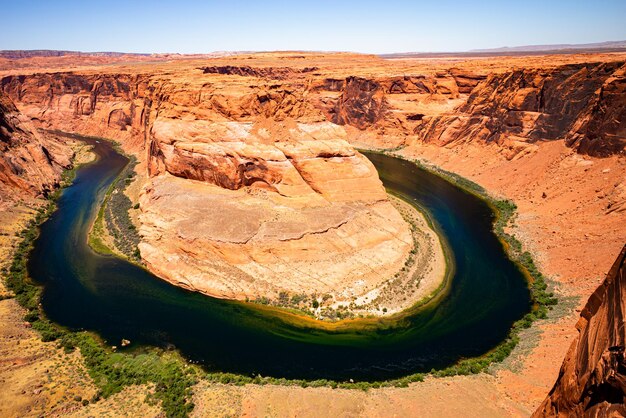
(609, 46)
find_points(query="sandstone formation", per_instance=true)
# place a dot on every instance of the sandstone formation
(263, 150)
(241, 134)
(240, 210)
(592, 380)
(583, 104)
(29, 163)
(277, 73)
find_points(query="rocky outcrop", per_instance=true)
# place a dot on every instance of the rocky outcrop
(583, 104)
(247, 210)
(386, 110)
(109, 105)
(592, 380)
(362, 103)
(250, 191)
(124, 106)
(29, 164)
(466, 81)
(601, 129)
(276, 73)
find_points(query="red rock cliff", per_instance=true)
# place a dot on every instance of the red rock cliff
(291, 205)
(29, 163)
(592, 380)
(583, 104)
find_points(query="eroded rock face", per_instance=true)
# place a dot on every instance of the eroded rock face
(29, 163)
(246, 210)
(592, 381)
(250, 191)
(275, 133)
(110, 105)
(361, 104)
(583, 104)
(277, 73)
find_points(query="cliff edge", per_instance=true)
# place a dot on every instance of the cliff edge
(30, 165)
(592, 380)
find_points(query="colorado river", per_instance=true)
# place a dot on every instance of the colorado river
(116, 299)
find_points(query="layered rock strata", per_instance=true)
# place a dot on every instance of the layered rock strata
(30, 164)
(582, 104)
(243, 210)
(592, 380)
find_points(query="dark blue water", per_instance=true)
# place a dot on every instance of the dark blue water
(84, 290)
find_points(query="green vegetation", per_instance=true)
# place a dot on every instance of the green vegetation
(111, 371)
(113, 217)
(240, 380)
(542, 300)
(118, 222)
(173, 378)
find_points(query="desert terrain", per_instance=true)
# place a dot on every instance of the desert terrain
(267, 141)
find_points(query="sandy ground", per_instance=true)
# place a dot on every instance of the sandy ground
(451, 397)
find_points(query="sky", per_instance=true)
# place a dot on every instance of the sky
(186, 26)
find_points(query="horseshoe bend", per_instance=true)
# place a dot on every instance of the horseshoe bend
(326, 219)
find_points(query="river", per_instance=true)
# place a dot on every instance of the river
(83, 290)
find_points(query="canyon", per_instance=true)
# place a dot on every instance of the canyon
(251, 184)
(247, 195)
(30, 163)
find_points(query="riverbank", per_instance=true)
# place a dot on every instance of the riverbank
(504, 228)
(424, 275)
(243, 379)
(37, 377)
(113, 231)
(568, 218)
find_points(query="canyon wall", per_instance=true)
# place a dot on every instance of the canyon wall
(581, 104)
(123, 105)
(267, 150)
(108, 105)
(592, 380)
(30, 165)
(250, 191)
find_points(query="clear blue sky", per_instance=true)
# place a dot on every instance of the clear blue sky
(187, 26)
